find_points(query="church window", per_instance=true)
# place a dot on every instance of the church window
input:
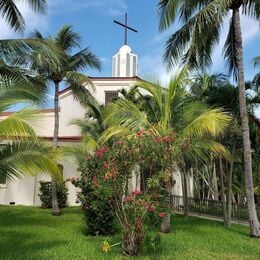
(110, 95)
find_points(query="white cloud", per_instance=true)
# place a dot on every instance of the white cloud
(151, 67)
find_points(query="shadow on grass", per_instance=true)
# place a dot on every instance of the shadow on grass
(14, 244)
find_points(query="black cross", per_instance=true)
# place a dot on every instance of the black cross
(126, 28)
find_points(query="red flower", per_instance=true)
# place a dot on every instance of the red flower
(128, 199)
(166, 139)
(119, 142)
(94, 182)
(140, 133)
(145, 204)
(156, 140)
(136, 192)
(161, 214)
(101, 151)
(137, 202)
(151, 208)
(106, 165)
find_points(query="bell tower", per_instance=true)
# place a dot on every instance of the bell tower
(125, 62)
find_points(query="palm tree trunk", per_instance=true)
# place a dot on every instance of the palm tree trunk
(230, 181)
(223, 199)
(55, 206)
(253, 220)
(214, 181)
(185, 193)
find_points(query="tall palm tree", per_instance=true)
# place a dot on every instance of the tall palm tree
(194, 124)
(194, 42)
(65, 69)
(24, 154)
(10, 12)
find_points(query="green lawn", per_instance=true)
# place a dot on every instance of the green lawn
(32, 233)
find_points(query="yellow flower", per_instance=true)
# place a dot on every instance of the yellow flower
(106, 247)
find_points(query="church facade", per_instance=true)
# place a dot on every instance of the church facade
(124, 74)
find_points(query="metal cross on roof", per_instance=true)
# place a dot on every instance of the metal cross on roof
(126, 27)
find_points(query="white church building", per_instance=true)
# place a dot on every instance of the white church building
(124, 74)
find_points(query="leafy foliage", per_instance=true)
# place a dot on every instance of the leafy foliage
(46, 195)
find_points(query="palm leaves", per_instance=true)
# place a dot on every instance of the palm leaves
(194, 123)
(189, 42)
(13, 16)
(24, 154)
(20, 158)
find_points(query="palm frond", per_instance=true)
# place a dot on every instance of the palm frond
(84, 59)
(67, 39)
(79, 84)
(168, 11)
(229, 50)
(78, 151)
(38, 6)
(12, 15)
(211, 122)
(20, 124)
(113, 132)
(176, 83)
(155, 90)
(190, 43)
(125, 113)
(27, 158)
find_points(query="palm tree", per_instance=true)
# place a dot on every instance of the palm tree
(24, 154)
(10, 12)
(194, 43)
(194, 124)
(65, 69)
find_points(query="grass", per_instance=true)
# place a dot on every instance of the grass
(32, 233)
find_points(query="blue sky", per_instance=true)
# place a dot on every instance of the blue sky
(93, 19)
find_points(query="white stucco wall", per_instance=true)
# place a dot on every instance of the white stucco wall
(71, 109)
(25, 191)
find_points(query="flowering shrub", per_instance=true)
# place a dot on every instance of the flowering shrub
(106, 177)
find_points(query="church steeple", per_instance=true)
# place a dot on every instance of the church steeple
(124, 63)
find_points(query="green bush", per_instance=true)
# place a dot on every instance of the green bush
(99, 216)
(45, 194)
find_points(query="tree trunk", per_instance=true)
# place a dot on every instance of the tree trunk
(230, 181)
(185, 193)
(214, 181)
(55, 206)
(253, 220)
(166, 220)
(223, 199)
